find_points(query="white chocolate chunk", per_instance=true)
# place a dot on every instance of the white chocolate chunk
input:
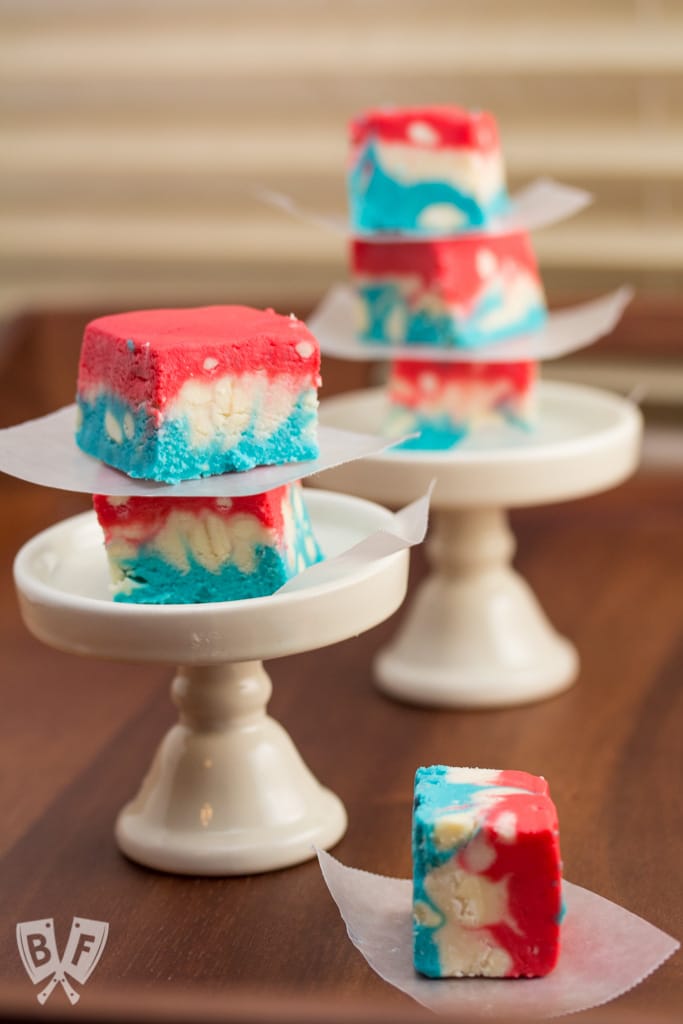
(113, 427)
(453, 829)
(426, 915)
(480, 855)
(129, 426)
(441, 217)
(422, 134)
(486, 263)
(395, 326)
(428, 382)
(506, 826)
(305, 349)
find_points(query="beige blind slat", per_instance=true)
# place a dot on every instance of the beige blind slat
(314, 150)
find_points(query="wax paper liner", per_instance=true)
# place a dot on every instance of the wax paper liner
(409, 527)
(606, 951)
(44, 451)
(565, 331)
(538, 205)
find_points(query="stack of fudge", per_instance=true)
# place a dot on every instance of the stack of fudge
(174, 394)
(426, 186)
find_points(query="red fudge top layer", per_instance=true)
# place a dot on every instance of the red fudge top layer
(454, 268)
(141, 518)
(148, 355)
(428, 127)
(415, 381)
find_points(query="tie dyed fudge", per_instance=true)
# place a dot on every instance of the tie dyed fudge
(173, 394)
(445, 402)
(487, 897)
(452, 292)
(196, 550)
(436, 170)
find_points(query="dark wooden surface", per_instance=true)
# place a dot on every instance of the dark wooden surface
(76, 736)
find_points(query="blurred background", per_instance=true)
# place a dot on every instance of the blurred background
(133, 133)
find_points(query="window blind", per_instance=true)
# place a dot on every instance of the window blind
(133, 133)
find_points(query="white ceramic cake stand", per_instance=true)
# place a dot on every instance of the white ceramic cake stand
(227, 792)
(475, 635)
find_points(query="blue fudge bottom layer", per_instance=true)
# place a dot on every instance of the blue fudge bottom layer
(441, 433)
(380, 202)
(387, 317)
(128, 440)
(155, 581)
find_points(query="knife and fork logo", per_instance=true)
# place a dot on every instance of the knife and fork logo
(38, 950)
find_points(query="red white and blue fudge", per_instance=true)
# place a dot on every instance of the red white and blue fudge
(173, 394)
(443, 403)
(193, 550)
(486, 874)
(436, 170)
(461, 292)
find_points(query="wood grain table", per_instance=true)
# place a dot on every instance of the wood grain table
(77, 735)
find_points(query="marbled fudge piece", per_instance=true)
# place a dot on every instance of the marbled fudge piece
(194, 550)
(435, 170)
(487, 898)
(172, 394)
(451, 292)
(446, 402)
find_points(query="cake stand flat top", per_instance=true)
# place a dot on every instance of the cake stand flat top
(62, 580)
(586, 440)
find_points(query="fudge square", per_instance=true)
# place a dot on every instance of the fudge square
(433, 170)
(487, 898)
(462, 292)
(443, 403)
(196, 550)
(173, 394)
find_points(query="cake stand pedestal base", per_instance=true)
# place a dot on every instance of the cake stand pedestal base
(227, 792)
(474, 635)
